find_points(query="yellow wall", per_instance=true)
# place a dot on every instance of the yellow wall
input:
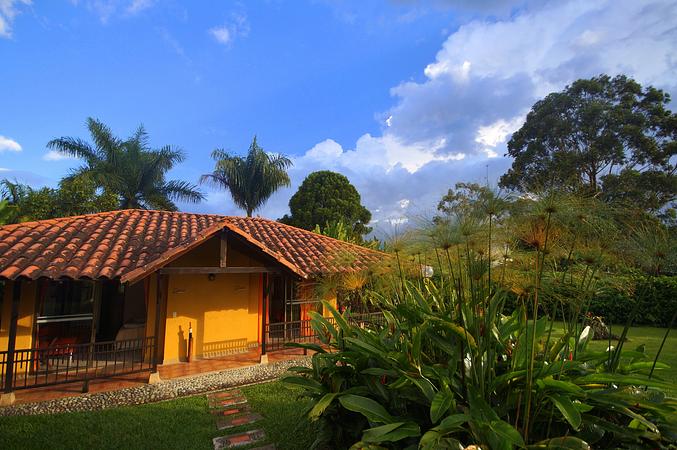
(24, 331)
(223, 314)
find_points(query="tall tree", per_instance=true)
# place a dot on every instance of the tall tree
(327, 197)
(608, 136)
(251, 180)
(129, 168)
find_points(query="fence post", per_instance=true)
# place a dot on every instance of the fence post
(8, 395)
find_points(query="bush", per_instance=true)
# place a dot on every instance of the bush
(425, 380)
(657, 298)
(616, 302)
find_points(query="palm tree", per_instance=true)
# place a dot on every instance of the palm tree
(250, 180)
(129, 168)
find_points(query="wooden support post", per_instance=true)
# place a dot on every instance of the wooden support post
(8, 396)
(96, 308)
(158, 312)
(264, 317)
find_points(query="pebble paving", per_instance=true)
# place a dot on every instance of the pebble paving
(235, 417)
(164, 390)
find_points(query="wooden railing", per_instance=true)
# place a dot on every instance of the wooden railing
(70, 363)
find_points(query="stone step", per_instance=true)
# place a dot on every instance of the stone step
(233, 421)
(223, 395)
(238, 439)
(239, 409)
(228, 403)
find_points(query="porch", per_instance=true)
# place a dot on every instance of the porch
(167, 372)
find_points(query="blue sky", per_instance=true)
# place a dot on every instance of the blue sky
(404, 97)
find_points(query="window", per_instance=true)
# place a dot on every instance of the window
(65, 312)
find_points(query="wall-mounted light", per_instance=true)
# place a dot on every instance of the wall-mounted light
(211, 277)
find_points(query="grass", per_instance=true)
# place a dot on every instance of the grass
(181, 424)
(652, 338)
(185, 423)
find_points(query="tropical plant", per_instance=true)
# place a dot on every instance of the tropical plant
(129, 168)
(251, 180)
(450, 368)
(339, 230)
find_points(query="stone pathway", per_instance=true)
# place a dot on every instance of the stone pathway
(232, 411)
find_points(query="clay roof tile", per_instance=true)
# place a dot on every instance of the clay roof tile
(129, 243)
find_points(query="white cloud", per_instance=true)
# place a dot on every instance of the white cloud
(139, 5)
(497, 132)
(53, 155)
(452, 124)
(107, 9)
(3, 169)
(10, 145)
(9, 9)
(221, 34)
(236, 26)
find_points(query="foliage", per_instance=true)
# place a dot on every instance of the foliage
(250, 180)
(653, 301)
(73, 196)
(604, 134)
(327, 197)
(129, 168)
(450, 368)
(339, 230)
(467, 199)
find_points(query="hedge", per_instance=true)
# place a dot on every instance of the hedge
(657, 299)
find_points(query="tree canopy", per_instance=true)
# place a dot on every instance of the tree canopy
(599, 136)
(130, 168)
(327, 197)
(73, 196)
(251, 180)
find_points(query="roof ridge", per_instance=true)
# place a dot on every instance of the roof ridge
(352, 244)
(56, 219)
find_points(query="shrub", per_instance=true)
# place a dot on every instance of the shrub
(656, 297)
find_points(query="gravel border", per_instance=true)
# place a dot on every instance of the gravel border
(164, 390)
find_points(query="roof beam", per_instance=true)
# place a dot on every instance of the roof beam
(208, 270)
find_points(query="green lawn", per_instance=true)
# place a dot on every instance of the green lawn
(652, 338)
(185, 423)
(176, 424)
(649, 336)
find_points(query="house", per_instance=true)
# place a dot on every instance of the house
(123, 291)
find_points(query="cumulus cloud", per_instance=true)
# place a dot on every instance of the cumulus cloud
(453, 124)
(236, 26)
(10, 145)
(9, 9)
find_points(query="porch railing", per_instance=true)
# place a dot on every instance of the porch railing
(301, 331)
(70, 363)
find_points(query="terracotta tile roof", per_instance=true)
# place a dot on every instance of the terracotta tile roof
(132, 243)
